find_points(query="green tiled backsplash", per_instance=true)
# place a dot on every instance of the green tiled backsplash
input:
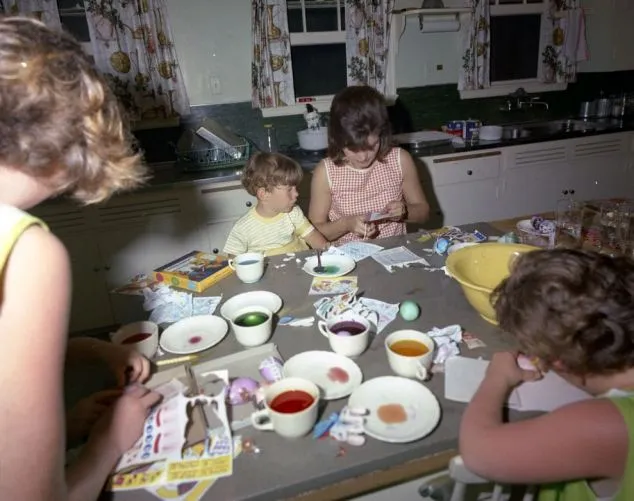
(417, 108)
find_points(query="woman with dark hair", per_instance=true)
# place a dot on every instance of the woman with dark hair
(364, 174)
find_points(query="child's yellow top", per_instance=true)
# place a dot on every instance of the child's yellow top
(282, 233)
(580, 490)
(13, 222)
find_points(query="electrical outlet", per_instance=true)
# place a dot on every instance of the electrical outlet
(214, 85)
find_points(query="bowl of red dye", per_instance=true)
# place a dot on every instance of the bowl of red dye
(140, 336)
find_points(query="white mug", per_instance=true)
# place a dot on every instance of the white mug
(140, 336)
(413, 366)
(288, 422)
(248, 266)
(252, 335)
(343, 342)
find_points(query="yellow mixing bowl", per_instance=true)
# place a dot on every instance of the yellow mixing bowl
(480, 268)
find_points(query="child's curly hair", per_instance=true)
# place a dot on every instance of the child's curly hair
(571, 306)
(59, 121)
(268, 170)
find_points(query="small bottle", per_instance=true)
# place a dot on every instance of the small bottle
(270, 138)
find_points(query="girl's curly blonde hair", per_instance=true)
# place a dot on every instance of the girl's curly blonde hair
(59, 121)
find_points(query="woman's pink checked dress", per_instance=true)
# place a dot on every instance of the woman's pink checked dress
(357, 192)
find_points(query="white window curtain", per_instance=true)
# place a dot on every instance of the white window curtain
(476, 55)
(271, 68)
(568, 44)
(368, 24)
(133, 45)
(43, 10)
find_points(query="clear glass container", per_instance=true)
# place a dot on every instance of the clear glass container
(270, 139)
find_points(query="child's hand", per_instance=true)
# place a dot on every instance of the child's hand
(359, 226)
(82, 417)
(122, 425)
(396, 210)
(128, 365)
(504, 367)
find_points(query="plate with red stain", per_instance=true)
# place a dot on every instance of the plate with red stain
(401, 410)
(335, 375)
(194, 334)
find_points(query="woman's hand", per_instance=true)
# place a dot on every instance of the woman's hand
(128, 365)
(359, 226)
(504, 368)
(396, 209)
(81, 418)
(122, 425)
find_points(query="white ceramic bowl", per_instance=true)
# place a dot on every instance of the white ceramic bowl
(313, 139)
(146, 346)
(269, 300)
(491, 132)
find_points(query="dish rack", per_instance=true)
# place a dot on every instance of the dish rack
(529, 236)
(210, 158)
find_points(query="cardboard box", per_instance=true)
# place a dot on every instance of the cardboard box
(195, 271)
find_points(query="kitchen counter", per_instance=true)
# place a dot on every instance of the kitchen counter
(172, 173)
(290, 468)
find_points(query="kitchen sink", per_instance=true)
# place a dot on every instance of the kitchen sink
(548, 128)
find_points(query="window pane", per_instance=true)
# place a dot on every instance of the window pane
(76, 25)
(514, 47)
(321, 15)
(70, 4)
(318, 70)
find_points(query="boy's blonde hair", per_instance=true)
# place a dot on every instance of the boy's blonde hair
(268, 170)
(59, 121)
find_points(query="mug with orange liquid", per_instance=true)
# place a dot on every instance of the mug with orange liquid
(410, 353)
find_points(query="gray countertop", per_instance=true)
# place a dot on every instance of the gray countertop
(173, 174)
(286, 468)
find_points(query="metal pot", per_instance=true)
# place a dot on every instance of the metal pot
(587, 109)
(603, 106)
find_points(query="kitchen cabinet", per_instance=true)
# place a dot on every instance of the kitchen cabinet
(220, 206)
(462, 188)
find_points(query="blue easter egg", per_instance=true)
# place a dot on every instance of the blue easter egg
(409, 310)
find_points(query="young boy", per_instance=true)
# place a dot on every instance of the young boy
(275, 225)
(573, 312)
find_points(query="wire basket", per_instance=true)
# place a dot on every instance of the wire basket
(213, 158)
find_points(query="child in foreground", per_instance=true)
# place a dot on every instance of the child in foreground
(61, 132)
(275, 225)
(573, 312)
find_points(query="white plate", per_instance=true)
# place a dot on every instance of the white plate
(342, 265)
(315, 366)
(194, 334)
(269, 300)
(420, 404)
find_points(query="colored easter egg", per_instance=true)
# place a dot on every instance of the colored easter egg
(409, 310)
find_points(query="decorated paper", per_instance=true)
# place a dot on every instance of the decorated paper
(398, 257)
(336, 285)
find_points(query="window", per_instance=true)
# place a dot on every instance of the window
(72, 15)
(318, 47)
(520, 30)
(318, 54)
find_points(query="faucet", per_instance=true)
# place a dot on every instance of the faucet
(520, 100)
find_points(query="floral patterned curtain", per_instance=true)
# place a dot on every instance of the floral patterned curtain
(368, 24)
(271, 69)
(43, 10)
(133, 45)
(568, 42)
(476, 48)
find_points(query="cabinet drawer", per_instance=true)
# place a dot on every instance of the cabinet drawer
(220, 204)
(465, 168)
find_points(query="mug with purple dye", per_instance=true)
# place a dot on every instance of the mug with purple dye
(348, 333)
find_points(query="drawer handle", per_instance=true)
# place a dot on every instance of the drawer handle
(107, 268)
(469, 172)
(215, 251)
(96, 269)
(564, 192)
(572, 192)
(249, 204)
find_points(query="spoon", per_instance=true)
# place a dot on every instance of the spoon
(319, 268)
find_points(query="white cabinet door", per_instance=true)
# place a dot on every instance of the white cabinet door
(217, 234)
(600, 167)
(535, 177)
(90, 306)
(224, 202)
(462, 189)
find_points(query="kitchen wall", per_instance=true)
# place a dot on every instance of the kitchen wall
(213, 42)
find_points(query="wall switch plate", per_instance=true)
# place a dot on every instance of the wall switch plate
(214, 85)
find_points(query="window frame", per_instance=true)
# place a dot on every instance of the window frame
(78, 11)
(323, 103)
(531, 85)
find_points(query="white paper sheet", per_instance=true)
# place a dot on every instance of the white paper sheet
(398, 257)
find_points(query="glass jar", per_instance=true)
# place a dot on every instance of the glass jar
(270, 139)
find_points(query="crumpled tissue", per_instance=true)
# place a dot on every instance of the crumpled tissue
(168, 305)
(378, 313)
(446, 339)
